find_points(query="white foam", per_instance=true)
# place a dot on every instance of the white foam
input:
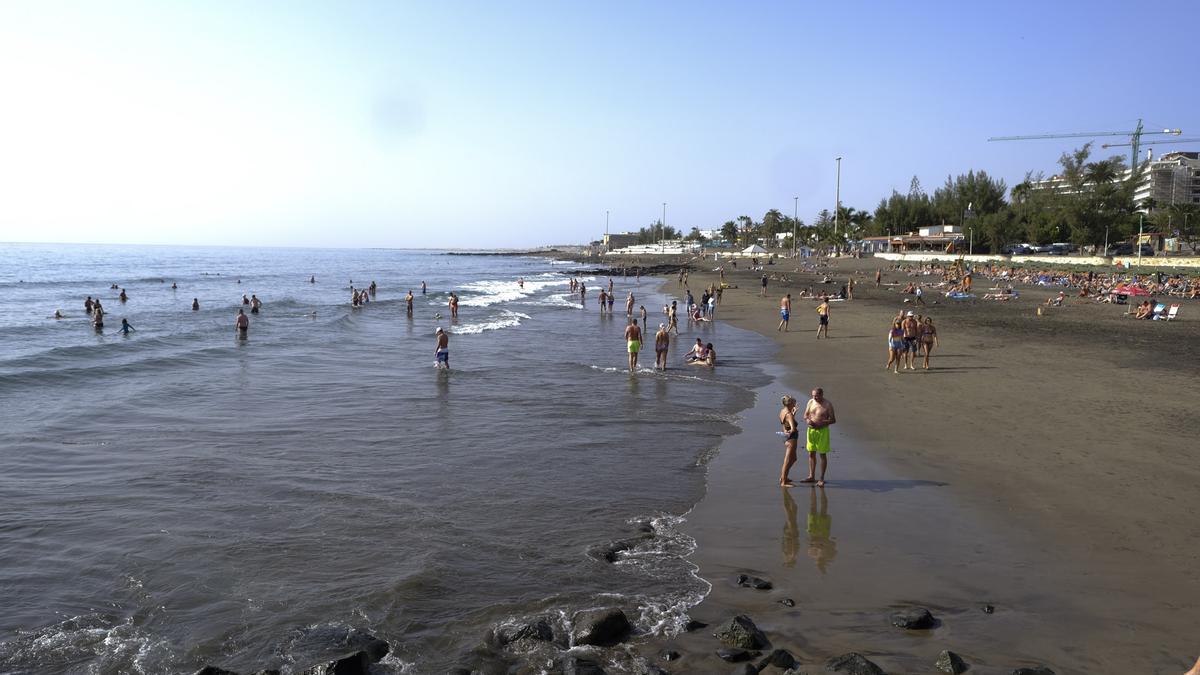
(507, 320)
(491, 292)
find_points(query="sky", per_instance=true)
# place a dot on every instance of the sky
(437, 125)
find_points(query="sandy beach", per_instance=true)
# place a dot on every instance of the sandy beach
(1043, 467)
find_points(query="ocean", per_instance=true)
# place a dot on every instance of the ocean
(177, 497)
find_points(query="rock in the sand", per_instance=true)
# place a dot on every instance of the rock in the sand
(913, 618)
(746, 669)
(780, 658)
(1036, 670)
(213, 670)
(733, 655)
(852, 664)
(574, 665)
(988, 609)
(538, 630)
(741, 632)
(788, 602)
(693, 624)
(757, 583)
(601, 627)
(949, 662)
(655, 670)
(668, 655)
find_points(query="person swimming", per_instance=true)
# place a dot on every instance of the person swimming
(195, 304)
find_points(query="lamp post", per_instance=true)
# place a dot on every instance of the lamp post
(1141, 221)
(795, 217)
(837, 196)
(606, 244)
(662, 228)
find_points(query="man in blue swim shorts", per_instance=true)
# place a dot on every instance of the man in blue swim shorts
(785, 312)
(442, 351)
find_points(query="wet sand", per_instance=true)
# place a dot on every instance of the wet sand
(1045, 465)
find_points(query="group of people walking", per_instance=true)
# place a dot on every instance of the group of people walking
(908, 334)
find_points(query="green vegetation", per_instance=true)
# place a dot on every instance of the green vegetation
(1089, 204)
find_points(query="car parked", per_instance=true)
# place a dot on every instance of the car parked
(1127, 248)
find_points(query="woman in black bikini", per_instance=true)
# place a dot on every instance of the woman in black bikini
(787, 417)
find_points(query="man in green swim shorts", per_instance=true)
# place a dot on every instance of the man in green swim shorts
(633, 340)
(818, 414)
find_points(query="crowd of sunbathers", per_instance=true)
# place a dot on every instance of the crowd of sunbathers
(1098, 285)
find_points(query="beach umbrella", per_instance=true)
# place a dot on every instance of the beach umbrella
(755, 248)
(1131, 290)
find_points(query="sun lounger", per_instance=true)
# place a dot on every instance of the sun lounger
(1169, 316)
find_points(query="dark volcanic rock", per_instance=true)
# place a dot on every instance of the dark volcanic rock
(852, 664)
(988, 609)
(358, 663)
(601, 627)
(757, 583)
(574, 665)
(668, 655)
(780, 658)
(693, 624)
(1036, 670)
(655, 670)
(611, 551)
(949, 662)
(746, 669)
(539, 630)
(788, 602)
(733, 655)
(332, 642)
(741, 632)
(213, 670)
(914, 618)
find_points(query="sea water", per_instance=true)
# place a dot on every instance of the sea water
(177, 496)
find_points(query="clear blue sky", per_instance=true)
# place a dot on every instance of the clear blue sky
(517, 124)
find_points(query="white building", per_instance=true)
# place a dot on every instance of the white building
(1173, 178)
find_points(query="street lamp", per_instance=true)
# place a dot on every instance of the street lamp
(662, 228)
(837, 196)
(795, 217)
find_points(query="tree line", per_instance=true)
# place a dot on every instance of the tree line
(1091, 202)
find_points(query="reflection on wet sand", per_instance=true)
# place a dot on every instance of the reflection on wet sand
(822, 547)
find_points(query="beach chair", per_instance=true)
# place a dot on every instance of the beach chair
(1160, 311)
(1171, 315)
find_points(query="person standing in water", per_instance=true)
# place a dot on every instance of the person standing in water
(97, 315)
(422, 288)
(88, 305)
(408, 302)
(643, 313)
(442, 350)
(242, 323)
(633, 341)
(603, 299)
(791, 436)
(195, 304)
(819, 416)
(629, 304)
(662, 342)
(453, 305)
(255, 304)
(125, 327)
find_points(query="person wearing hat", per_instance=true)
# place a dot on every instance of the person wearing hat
(442, 350)
(912, 331)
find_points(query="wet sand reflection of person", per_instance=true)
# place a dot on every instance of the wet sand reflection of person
(822, 547)
(791, 533)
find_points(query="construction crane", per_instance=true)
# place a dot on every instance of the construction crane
(1181, 140)
(1135, 139)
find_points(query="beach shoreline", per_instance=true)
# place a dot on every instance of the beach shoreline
(1007, 501)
